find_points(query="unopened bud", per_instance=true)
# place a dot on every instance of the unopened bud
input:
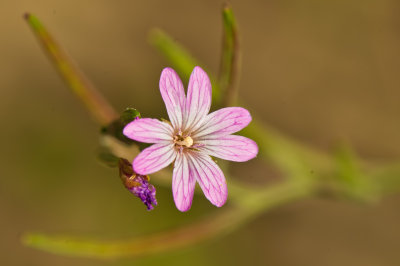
(137, 184)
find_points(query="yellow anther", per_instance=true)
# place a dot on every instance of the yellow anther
(188, 142)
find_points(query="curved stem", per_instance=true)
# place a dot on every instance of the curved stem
(223, 222)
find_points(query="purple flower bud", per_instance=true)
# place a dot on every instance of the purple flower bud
(137, 184)
(145, 191)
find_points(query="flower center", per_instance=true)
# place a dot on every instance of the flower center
(181, 141)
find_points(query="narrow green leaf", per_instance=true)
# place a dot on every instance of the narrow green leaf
(182, 61)
(230, 58)
(78, 83)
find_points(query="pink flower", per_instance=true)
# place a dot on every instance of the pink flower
(191, 138)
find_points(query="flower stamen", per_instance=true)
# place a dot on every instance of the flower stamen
(187, 141)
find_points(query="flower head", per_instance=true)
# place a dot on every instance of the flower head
(191, 138)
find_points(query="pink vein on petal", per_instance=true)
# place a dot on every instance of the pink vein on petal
(198, 100)
(148, 130)
(210, 178)
(230, 147)
(154, 158)
(183, 183)
(173, 94)
(223, 122)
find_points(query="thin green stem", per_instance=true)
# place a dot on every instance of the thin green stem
(223, 222)
(292, 158)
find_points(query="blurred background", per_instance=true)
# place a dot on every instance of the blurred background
(319, 71)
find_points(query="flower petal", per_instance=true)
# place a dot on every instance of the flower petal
(154, 158)
(198, 100)
(183, 183)
(210, 177)
(223, 122)
(148, 130)
(173, 94)
(231, 147)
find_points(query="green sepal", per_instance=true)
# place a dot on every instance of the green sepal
(116, 127)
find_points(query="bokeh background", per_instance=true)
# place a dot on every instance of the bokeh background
(319, 71)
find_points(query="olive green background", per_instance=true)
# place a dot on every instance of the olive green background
(322, 72)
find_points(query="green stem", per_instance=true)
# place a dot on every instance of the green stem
(225, 221)
(292, 158)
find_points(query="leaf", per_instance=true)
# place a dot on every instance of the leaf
(230, 58)
(98, 106)
(182, 61)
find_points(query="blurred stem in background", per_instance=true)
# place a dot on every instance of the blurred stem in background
(308, 172)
